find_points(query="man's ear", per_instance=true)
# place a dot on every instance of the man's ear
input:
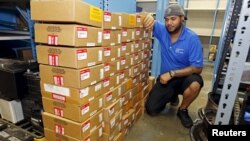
(182, 18)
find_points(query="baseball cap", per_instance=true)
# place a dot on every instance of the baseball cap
(174, 10)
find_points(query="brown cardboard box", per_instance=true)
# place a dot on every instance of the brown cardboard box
(111, 68)
(70, 128)
(110, 53)
(111, 37)
(128, 20)
(112, 136)
(110, 126)
(126, 48)
(127, 34)
(136, 58)
(126, 61)
(138, 45)
(147, 34)
(112, 96)
(68, 35)
(112, 20)
(69, 57)
(110, 111)
(147, 44)
(136, 70)
(68, 11)
(109, 83)
(119, 137)
(72, 95)
(95, 135)
(124, 74)
(138, 33)
(76, 78)
(81, 112)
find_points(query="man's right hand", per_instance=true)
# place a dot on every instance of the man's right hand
(149, 21)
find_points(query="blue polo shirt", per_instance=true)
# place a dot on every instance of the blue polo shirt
(185, 52)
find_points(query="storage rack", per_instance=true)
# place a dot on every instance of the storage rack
(238, 55)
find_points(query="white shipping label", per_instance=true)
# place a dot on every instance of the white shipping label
(119, 38)
(56, 89)
(107, 17)
(106, 35)
(133, 35)
(107, 51)
(119, 52)
(90, 44)
(106, 67)
(124, 47)
(100, 117)
(82, 54)
(120, 20)
(86, 126)
(112, 122)
(119, 91)
(118, 65)
(122, 74)
(138, 19)
(85, 74)
(108, 96)
(84, 92)
(100, 55)
(59, 129)
(111, 111)
(98, 87)
(91, 64)
(117, 79)
(99, 37)
(100, 132)
(101, 73)
(137, 33)
(85, 109)
(106, 83)
(82, 32)
(100, 102)
(136, 45)
(123, 61)
(124, 33)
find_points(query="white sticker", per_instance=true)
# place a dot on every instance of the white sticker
(82, 54)
(123, 61)
(119, 38)
(91, 64)
(106, 83)
(106, 35)
(107, 51)
(98, 87)
(138, 19)
(120, 20)
(133, 35)
(100, 55)
(108, 96)
(84, 92)
(119, 52)
(56, 89)
(122, 75)
(100, 117)
(107, 17)
(90, 44)
(118, 65)
(85, 74)
(106, 67)
(85, 109)
(112, 122)
(117, 79)
(124, 47)
(82, 32)
(99, 37)
(100, 102)
(100, 132)
(137, 33)
(86, 126)
(111, 111)
(101, 73)
(124, 33)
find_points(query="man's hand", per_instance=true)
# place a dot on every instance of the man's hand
(164, 78)
(149, 21)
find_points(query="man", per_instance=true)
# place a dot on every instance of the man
(181, 64)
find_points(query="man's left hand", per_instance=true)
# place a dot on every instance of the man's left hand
(164, 78)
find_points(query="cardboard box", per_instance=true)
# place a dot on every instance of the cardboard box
(136, 58)
(68, 35)
(70, 128)
(109, 83)
(128, 20)
(112, 20)
(68, 11)
(72, 95)
(147, 44)
(113, 124)
(95, 135)
(111, 37)
(139, 33)
(126, 48)
(81, 112)
(113, 135)
(110, 111)
(148, 34)
(125, 62)
(138, 46)
(76, 78)
(111, 68)
(127, 35)
(111, 53)
(69, 57)
(119, 137)
(136, 70)
(112, 96)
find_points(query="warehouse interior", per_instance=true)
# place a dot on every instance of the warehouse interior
(82, 70)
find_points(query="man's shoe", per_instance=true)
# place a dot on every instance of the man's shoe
(185, 118)
(175, 102)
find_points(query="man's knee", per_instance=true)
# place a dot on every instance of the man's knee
(150, 109)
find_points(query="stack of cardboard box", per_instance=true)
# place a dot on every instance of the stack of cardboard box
(93, 68)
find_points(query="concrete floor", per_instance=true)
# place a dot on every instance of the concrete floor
(167, 126)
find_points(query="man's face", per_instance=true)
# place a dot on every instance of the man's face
(173, 23)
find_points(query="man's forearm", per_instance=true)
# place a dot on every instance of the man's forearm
(185, 71)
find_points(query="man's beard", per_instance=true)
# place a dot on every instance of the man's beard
(176, 30)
